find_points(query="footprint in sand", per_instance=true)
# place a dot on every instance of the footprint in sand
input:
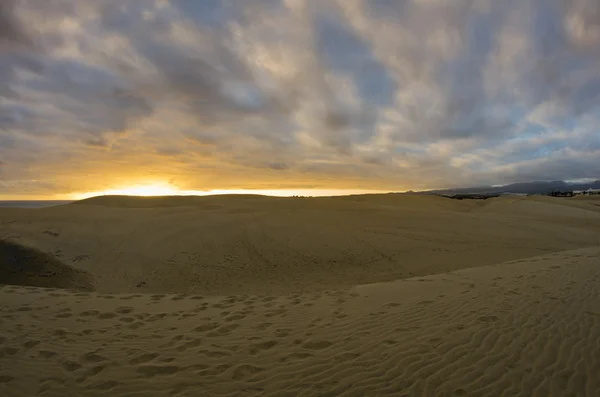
(235, 317)
(89, 313)
(143, 358)
(31, 343)
(206, 327)
(296, 356)
(104, 385)
(93, 357)
(106, 315)
(218, 370)
(8, 351)
(46, 354)
(157, 316)
(6, 379)
(224, 330)
(263, 326)
(136, 325)
(71, 366)
(215, 353)
(190, 345)
(93, 371)
(258, 347)
(197, 367)
(283, 332)
(317, 345)
(244, 370)
(128, 297)
(348, 356)
(272, 313)
(150, 371)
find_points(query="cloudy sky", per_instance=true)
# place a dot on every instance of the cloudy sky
(296, 94)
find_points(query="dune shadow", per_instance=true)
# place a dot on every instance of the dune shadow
(20, 265)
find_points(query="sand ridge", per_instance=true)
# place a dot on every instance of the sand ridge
(269, 245)
(524, 328)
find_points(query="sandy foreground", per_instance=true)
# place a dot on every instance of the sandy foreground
(245, 296)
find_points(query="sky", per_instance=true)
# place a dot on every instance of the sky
(295, 95)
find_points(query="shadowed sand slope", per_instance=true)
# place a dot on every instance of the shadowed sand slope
(269, 245)
(26, 266)
(524, 328)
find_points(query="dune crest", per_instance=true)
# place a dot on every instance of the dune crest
(272, 245)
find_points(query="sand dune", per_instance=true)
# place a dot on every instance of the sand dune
(25, 266)
(374, 295)
(522, 328)
(267, 245)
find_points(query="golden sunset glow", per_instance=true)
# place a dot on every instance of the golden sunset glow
(154, 189)
(167, 189)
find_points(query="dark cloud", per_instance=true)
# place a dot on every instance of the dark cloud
(13, 115)
(278, 166)
(90, 102)
(561, 167)
(11, 29)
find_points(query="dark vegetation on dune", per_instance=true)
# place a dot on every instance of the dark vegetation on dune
(21, 265)
(472, 196)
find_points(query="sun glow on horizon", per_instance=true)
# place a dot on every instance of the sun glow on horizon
(166, 189)
(145, 190)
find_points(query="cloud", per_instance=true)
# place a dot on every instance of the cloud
(12, 32)
(379, 94)
(582, 23)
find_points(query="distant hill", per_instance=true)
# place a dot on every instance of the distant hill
(536, 187)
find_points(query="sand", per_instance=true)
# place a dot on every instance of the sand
(223, 245)
(514, 311)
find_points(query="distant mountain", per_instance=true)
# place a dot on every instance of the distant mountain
(536, 187)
